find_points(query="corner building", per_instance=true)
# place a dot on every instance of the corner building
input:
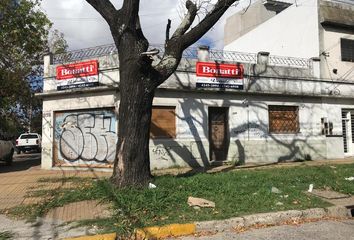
(276, 108)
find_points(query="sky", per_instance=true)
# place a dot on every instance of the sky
(83, 27)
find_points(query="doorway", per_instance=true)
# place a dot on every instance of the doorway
(348, 131)
(218, 133)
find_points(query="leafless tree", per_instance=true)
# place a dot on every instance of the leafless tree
(139, 78)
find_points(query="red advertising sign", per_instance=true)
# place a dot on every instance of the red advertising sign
(77, 70)
(208, 69)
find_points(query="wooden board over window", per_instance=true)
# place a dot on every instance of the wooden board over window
(163, 122)
(284, 119)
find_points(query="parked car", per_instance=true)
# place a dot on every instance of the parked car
(28, 141)
(6, 151)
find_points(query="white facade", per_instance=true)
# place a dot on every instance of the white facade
(293, 32)
(80, 125)
(306, 29)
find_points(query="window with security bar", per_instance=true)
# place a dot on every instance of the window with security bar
(283, 119)
(347, 49)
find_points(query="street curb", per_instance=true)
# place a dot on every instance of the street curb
(172, 230)
(273, 218)
(109, 236)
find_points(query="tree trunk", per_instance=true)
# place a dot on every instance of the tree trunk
(138, 79)
(132, 166)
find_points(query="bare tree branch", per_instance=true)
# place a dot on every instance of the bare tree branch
(168, 27)
(181, 39)
(208, 22)
(188, 19)
(105, 8)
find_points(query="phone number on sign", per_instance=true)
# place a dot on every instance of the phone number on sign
(221, 85)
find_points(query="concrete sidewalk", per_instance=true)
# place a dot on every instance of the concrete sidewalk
(19, 180)
(16, 185)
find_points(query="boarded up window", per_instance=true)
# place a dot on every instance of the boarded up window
(163, 122)
(284, 119)
(347, 49)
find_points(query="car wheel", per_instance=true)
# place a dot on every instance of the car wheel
(18, 151)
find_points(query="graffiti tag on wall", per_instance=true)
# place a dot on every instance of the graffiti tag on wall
(253, 129)
(161, 152)
(87, 136)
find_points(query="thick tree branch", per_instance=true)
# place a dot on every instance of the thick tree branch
(208, 22)
(105, 8)
(182, 39)
(130, 11)
(187, 20)
(173, 50)
(165, 68)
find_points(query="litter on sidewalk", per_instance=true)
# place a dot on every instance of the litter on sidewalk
(200, 202)
(275, 190)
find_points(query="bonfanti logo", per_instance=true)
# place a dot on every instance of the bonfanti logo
(77, 75)
(212, 69)
(87, 69)
(221, 76)
(216, 71)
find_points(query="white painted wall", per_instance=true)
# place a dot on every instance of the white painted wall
(248, 127)
(293, 32)
(248, 130)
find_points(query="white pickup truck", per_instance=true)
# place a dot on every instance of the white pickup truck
(6, 151)
(29, 141)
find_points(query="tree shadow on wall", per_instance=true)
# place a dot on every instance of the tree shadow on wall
(194, 117)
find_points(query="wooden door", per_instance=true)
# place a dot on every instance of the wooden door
(218, 133)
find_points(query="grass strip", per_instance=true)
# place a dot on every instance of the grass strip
(235, 193)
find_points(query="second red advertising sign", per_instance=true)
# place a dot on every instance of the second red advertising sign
(215, 75)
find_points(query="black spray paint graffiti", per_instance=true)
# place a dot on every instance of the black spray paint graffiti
(254, 129)
(88, 137)
(161, 152)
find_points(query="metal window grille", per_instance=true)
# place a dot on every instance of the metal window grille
(347, 49)
(344, 130)
(284, 119)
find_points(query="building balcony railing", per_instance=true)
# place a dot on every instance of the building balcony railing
(189, 53)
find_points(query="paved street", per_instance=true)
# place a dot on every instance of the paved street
(324, 230)
(22, 162)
